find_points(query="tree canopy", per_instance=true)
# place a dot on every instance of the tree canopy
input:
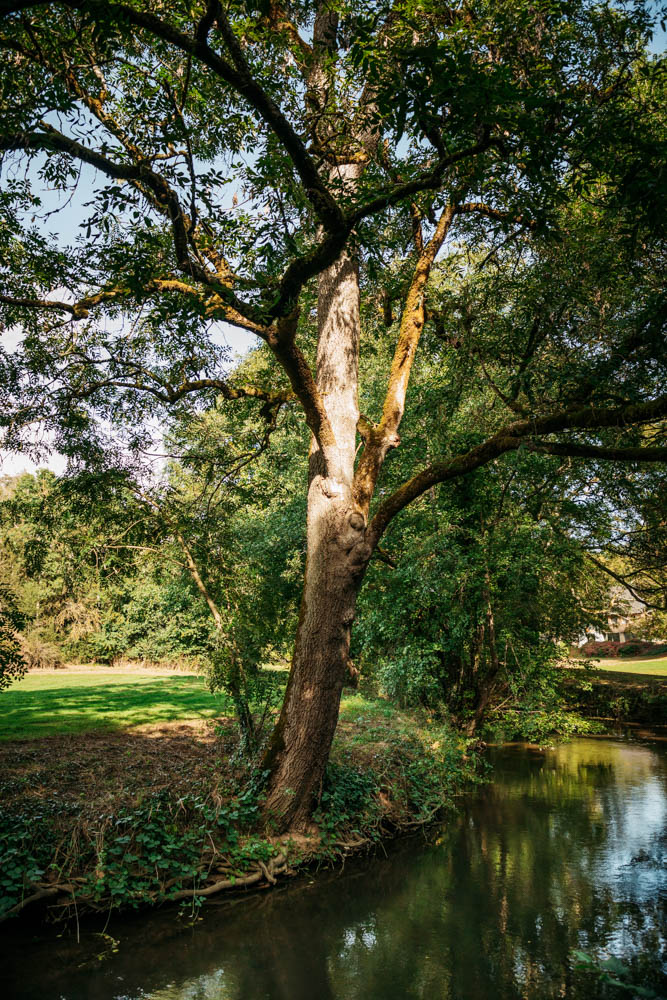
(218, 191)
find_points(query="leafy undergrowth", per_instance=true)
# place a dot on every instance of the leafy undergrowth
(389, 771)
(540, 726)
(173, 813)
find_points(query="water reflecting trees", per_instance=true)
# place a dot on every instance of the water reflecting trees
(563, 851)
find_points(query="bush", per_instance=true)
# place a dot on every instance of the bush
(641, 647)
(541, 727)
(12, 661)
(39, 654)
(605, 648)
(633, 648)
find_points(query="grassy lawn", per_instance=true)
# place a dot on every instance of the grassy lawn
(653, 668)
(77, 700)
(43, 704)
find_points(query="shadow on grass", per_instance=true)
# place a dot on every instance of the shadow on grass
(111, 705)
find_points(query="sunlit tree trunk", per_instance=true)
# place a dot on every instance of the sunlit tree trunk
(337, 555)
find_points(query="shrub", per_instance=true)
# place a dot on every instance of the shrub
(641, 647)
(39, 654)
(12, 661)
(633, 648)
(606, 648)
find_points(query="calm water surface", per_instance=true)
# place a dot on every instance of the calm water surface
(567, 848)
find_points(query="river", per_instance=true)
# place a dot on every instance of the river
(566, 849)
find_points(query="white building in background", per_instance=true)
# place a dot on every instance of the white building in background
(623, 610)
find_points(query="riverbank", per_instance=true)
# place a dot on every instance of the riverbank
(170, 812)
(101, 814)
(566, 840)
(625, 697)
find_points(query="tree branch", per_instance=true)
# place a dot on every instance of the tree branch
(50, 140)
(384, 436)
(75, 309)
(278, 21)
(509, 439)
(189, 558)
(430, 180)
(237, 74)
(212, 305)
(282, 342)
(629, 587)
(168, 394)
(574, 450)
(481, 208)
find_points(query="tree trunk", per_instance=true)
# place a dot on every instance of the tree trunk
(337, 555)
(300, 744)
(488, 685)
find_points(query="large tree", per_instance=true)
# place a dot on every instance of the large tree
(301, 170)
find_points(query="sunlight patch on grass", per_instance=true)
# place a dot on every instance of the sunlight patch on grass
(43, 705)
(352, 705)
(653, 668)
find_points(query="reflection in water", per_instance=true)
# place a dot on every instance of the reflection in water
(565, 849)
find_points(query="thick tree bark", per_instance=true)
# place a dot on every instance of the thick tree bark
(300, 744)
(338, 539)
(337, 556)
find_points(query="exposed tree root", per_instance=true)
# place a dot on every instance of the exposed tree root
(276, 865)
(264, 873)
(305, 850)
(40, 894)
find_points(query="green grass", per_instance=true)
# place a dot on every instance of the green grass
(654, 668)
(68, 702)
(354, 705)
